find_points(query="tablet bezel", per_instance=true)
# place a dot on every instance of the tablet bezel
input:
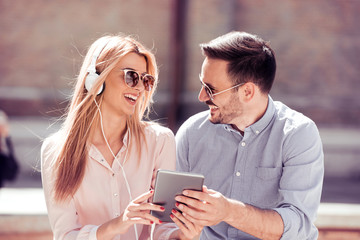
(169, 184)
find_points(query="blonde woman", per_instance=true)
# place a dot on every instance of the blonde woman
(98, 168)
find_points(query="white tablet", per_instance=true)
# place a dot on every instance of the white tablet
(169, 184)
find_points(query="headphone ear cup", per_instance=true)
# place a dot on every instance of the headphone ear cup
(90, 82)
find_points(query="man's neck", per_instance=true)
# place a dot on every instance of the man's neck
(254, 113)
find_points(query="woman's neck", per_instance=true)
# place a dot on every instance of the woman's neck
(114, 127)
(108, 135)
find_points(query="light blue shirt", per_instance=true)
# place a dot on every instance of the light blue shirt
(278, 164)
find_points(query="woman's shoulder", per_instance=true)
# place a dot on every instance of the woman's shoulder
(50, 141)
(156, 130)
(50, 147)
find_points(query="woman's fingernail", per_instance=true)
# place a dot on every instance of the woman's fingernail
(151, 191)
(160, 222)
(173, 211)
(162, 208)
(151, 222)
(177, 204)
(171, 215)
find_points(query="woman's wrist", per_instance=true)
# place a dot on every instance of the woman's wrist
(110, 229)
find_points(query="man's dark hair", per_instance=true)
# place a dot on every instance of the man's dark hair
(250, 58)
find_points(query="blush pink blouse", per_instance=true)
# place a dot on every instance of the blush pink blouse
(103, 194)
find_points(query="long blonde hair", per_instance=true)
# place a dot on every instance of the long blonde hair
(82, 116)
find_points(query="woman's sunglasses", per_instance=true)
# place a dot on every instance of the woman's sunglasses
(132, 78)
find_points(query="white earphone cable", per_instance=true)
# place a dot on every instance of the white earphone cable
(122, 168)
(152, 231)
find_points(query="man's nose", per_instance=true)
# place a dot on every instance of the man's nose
(203, 97)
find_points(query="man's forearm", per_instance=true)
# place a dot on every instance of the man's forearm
(261, 223)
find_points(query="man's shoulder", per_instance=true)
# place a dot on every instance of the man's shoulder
(197, 120)
(290, 118)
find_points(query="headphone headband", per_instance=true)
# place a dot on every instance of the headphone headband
(92, 76)
(92, 66)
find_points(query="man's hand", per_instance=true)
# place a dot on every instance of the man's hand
(188, 230)
(205, 208)
(209, 208)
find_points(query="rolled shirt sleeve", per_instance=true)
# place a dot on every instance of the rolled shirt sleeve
(301, 182)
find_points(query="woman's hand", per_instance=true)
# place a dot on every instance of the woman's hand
(137, 212)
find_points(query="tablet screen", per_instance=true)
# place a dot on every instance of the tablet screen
(168, 184)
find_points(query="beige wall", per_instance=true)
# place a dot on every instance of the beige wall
(317, 44)
(43, 41)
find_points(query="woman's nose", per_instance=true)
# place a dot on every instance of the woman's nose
(140, 86)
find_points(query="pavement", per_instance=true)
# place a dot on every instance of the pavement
(341, 149)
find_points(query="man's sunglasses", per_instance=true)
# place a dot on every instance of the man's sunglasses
(132, 78)
(209, 92)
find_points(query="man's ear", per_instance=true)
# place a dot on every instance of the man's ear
(248, 91)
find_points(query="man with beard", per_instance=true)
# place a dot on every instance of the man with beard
(262, 161)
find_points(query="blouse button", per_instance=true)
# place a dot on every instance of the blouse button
(243, 144)
(238, 174)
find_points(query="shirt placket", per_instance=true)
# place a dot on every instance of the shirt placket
(238, 190)
(239, 168)
(115, 195)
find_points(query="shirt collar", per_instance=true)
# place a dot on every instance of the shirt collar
(95, 154)
(264, 121)
(229, 128)
(261, 124)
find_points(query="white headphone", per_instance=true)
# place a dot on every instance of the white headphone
(92, 75)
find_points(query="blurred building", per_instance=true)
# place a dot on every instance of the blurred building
(317, 48)
(317, 45)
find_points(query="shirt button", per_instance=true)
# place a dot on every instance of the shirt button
(113, 174)
(257, 131)
(115, 194)
(238, 174)
(243, 144)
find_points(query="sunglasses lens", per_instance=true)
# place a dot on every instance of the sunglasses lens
(148, 81)
(208, 91)
(131, 78)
